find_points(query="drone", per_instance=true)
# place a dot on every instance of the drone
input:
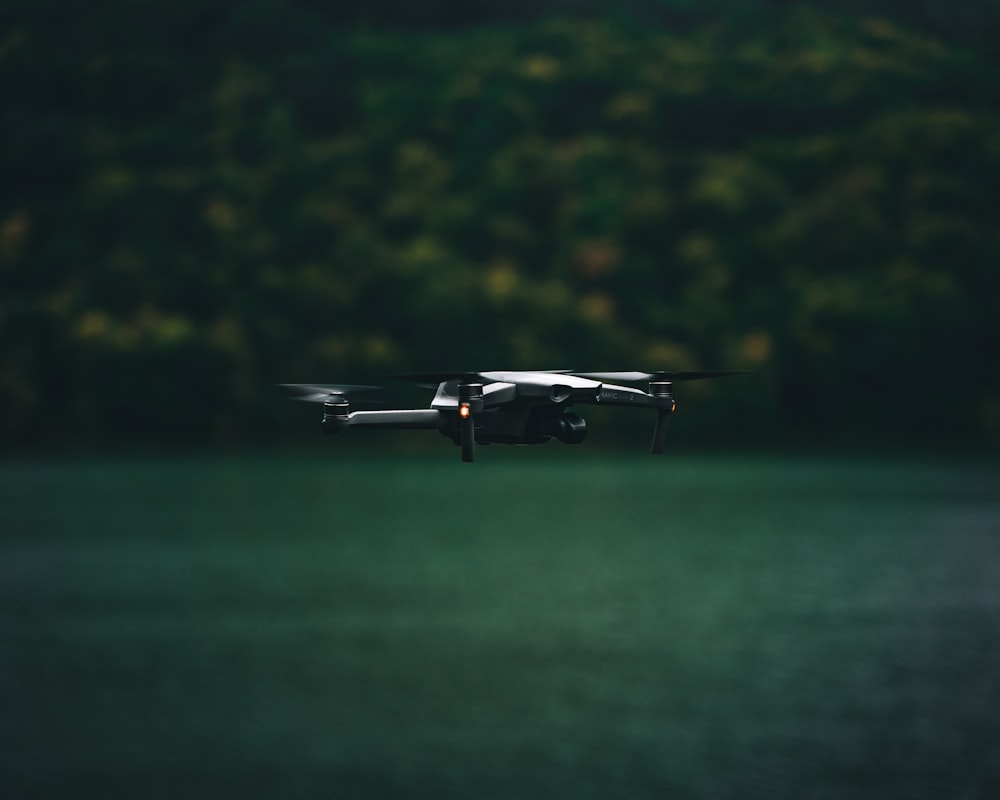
(506, 407)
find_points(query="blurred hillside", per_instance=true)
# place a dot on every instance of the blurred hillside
(202, 200)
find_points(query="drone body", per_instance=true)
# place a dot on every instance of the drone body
(508, 407)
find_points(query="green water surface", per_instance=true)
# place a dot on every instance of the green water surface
(279, 626)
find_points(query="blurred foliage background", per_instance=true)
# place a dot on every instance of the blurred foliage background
(202, 200)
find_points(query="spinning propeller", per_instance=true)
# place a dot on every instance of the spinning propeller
(336, 407)
(321, 393)
(439, 377)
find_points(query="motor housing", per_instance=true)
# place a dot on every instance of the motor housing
(335, 414)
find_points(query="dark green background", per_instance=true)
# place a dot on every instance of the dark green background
(200, 201)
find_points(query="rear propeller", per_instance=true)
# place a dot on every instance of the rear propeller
(321, 393)
(336, 407)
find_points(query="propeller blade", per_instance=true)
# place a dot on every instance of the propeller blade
(435, 377)
(320, 393)
(635, 377)
(628, 377)
(697, 376)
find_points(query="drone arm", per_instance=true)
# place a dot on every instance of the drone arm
(415, 418)
(611, 395)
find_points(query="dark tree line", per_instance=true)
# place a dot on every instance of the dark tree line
(201, 200)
